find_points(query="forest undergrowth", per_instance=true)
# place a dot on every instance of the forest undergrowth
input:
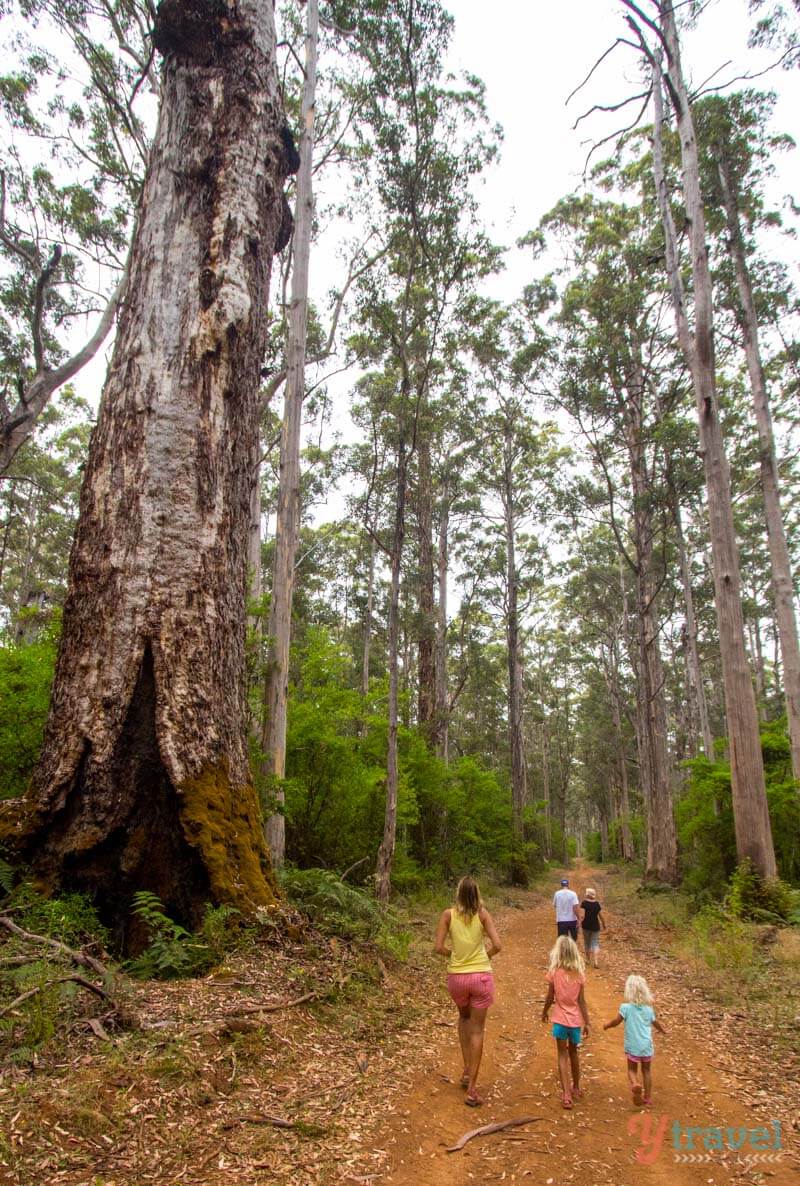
(750, 968)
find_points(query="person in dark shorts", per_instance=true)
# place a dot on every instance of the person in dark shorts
(590, 925)
(565, 901)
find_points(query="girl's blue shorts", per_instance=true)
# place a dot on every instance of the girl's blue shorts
(567, 1033)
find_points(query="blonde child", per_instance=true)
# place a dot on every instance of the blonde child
(638, 1015)
(566, 979)
(467, 925)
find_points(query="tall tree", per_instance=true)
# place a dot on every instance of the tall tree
(753, 831)
(144, 779)
(288, 513)
(734, 150)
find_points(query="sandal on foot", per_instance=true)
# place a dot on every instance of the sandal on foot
(473, 1100)
(637, 1095)
(464, 1080)
(577, 1093)
(647, 1101)
(566, 1101)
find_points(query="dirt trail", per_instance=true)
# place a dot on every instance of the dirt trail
(597, 1142)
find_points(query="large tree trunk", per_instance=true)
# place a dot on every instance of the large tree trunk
(615, 696)
(144, 779)
(782, 581)
(751, 815)
(696, 686)
(288, 515)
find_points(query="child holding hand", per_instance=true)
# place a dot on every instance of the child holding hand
(566, 979)
(638, 1016)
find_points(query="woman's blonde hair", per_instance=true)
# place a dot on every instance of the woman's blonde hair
(637, 991)
(468, 897)
(590, 893)
(566, 955)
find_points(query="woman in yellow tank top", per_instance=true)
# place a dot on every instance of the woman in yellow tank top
(470, 982)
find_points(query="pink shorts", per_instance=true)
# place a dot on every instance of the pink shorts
(473, 989)
(644, 1059)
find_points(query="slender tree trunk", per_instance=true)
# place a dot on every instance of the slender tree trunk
(254, 537)
(615, 696)
(662, 850)
(442, 694)
(288, 516)
(751, 815)
(383, 869)
(426, 642)
(519, 790)
(781, 567)
(696, 685)
(144, 779)
(368, 619)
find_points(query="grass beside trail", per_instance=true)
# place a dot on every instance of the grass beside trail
(750, 967)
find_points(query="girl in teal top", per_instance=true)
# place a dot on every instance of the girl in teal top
(638, 1015)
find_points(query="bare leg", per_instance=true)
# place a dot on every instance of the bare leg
(463, 1035)
(647, 1079)
(564, 1068)
(575, 1068)
(633, 1079)
(477, 1024)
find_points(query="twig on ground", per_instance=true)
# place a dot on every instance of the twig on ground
(485, 1129)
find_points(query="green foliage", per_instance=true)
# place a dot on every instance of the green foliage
(704, 815)
(173, 952)
(26, 673)
(71, 917)
(450, 818)
(333, 906)
(757, 898)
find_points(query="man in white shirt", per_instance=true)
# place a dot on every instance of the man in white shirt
(565, 901)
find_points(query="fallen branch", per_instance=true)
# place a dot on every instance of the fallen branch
(309, 996)
(485, 1129)
(32, 992)
(261, 1118)
(78, 957)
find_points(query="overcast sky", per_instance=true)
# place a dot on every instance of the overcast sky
(532, 53)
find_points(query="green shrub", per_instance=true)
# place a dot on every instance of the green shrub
(173, 952)
(71, 917)
(760, 899)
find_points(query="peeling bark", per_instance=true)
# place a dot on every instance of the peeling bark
(144, 780)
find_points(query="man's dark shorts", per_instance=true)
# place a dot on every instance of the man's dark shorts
(568, 928)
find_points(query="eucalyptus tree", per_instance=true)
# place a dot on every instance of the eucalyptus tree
(144, 779)
(518, 457)
(740, 150)
(423, 142)
(753, 832)
(75, 122)
(617, 372)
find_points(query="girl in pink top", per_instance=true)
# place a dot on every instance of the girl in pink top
(565, 990)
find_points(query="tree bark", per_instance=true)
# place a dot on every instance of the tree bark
(383, 868)
(368, 619)
(442, 695)
(426, 640)
(288, 514)
(781, 567)
(751, 815)
(515, 682)
(144, 780)
(662, 850)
